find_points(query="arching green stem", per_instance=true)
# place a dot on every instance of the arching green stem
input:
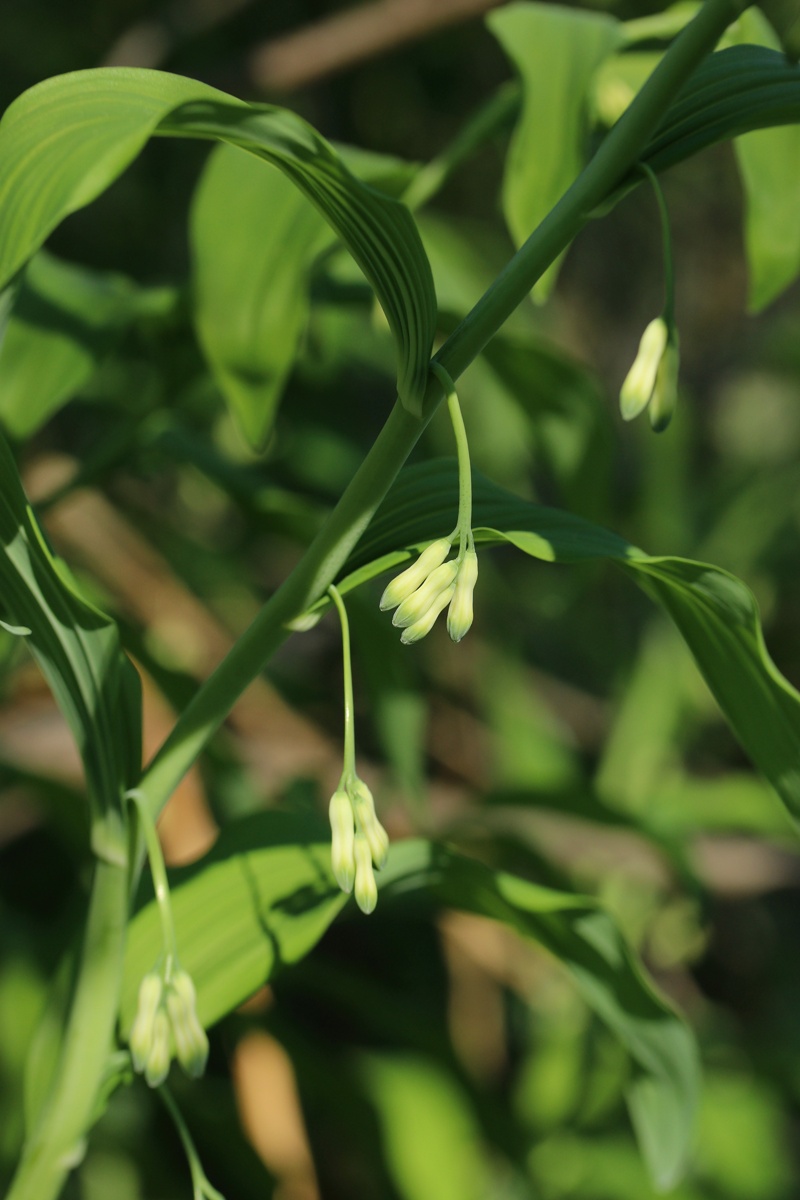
(666, 242)
(349, 764)
(160, 884)
(464, 526)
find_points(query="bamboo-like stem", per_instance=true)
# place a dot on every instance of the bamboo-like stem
(54, 1145)
(329, 550)
(58, 1141)
(349, 756)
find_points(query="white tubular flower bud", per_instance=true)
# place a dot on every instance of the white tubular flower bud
(340, 812)
(425, 624)
(665, 392)
(369, 825)
(140, 1040)
(459, 614)
(158, 1060)
(191, 1043)
(409, 580)
(366, 890)
(641, 379)
(416, 605)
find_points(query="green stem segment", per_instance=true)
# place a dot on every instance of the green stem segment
(464, 526)
(201, 1188)
(160, 883)
(57, 1143)
(666, 241)
(349, 764)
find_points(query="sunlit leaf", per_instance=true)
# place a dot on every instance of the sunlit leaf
(265, 894)
(254, 238)
(78, 650)
(66, 140)
(556, 51)
(769, 162)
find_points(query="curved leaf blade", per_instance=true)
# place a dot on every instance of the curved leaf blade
(65, 140)
(714, 611)
(77, 647)
(734, 91)
(265, 894)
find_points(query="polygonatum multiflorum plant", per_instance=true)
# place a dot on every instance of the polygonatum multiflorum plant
(602, 108)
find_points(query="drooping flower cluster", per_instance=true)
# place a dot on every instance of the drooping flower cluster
(358, 840)
(166, 1026)
(430, 585)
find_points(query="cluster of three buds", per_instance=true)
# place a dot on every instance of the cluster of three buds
(166, 1023)
(357, 841)
(428, 586)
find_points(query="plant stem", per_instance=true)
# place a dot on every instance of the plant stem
(158, 871)
(328, 552)
(666, 243)
(56, 1145)
(349, 764)
(464, 526)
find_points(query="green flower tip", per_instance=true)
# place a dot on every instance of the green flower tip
(459, 615)
(166, 1021)
(426, 588)
(640, 382)
(358, 840)
(366, 890)
(665, 392)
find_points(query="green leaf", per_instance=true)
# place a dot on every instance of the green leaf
(732, 92)
(254, 238)
(556, 51)
(429, 1134)
(769, 163)
(66, 140)
(265, 894)
(713, 610)
(65, 320)
(77, 648)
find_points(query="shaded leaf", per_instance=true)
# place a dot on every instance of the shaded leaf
(265, 894)
(65, 321)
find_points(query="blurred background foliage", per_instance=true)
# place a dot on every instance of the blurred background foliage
(569, 738)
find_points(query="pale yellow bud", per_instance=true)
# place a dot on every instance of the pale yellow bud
(416, 605)
(140, 1040)
(340, 812)
(409, 580)
(369, 825)
(641, 379)
(459, 614)
(366, 890)
(665, 393)
(157, 1066)
(191, 1043)
(425, 624)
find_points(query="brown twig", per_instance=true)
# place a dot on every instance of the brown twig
(326, 47)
